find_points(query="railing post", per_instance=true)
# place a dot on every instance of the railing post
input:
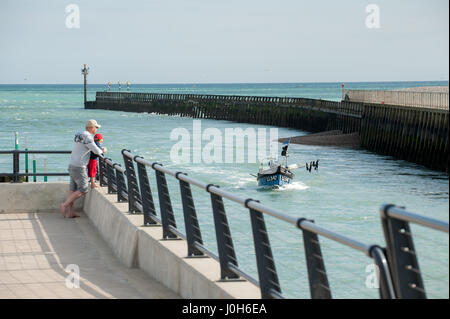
(317, 275)
(111, 178)
(167, 216)
(224, 241)
(148, 205)
(121, 186)
(402, 257)
(193, 233)
(102, 171)
(133, 187)
(267, 273)
(387, 290)
(16, 168)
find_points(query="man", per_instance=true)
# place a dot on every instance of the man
(79, 181)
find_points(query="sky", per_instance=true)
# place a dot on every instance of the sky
(224, 41)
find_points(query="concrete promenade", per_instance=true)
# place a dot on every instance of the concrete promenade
(117, 257)
(35, 249)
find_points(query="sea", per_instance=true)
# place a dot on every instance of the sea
(344, 195)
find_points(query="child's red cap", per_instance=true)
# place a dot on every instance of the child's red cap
(98, 136)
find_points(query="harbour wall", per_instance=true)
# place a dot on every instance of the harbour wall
(433, 100)
(34, 197)
(414, 134)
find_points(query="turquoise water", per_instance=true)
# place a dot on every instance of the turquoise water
(344, 195)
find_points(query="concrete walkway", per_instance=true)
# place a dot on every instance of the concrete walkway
(36, 248)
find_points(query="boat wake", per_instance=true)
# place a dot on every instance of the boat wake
(296, 186)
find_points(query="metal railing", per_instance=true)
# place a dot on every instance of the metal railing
(112, 175)
(400, 251)
(16, 164)
(399, 272)
(140, 199)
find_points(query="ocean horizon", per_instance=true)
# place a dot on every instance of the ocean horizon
(413, 82)
(313, 90)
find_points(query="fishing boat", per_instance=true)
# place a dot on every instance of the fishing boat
(273, 174)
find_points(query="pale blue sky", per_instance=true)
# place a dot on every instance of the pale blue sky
(212, 41)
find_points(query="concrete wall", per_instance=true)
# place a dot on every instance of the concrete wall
(165, 260)
(434, 100)
(34, 197)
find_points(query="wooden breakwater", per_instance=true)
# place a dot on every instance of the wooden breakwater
(419, 135)
(415, 134)
(305, 114)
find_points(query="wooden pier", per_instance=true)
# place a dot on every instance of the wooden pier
(419, 135)
(415, 134)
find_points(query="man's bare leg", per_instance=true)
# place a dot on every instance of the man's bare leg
(72, 211)
(62, 207)
(93, 185)
(73, 196)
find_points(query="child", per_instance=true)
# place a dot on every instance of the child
(92, 166)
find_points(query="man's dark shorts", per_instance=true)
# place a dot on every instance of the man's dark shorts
(79, 180)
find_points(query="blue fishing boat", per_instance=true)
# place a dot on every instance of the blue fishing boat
(272, 174)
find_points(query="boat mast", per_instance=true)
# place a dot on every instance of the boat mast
(284, 152)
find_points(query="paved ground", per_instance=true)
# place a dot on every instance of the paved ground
(36, 248)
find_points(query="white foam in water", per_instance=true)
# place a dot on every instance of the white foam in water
(293, 186)
(245, 181)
